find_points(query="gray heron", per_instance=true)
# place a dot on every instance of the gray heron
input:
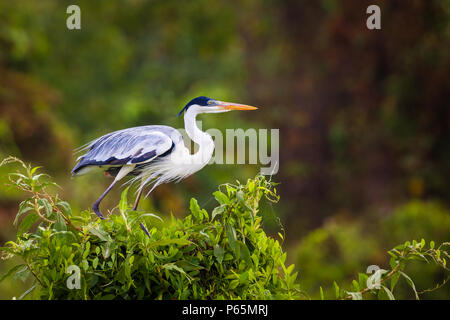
(153, 154)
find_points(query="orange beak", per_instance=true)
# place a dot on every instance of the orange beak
(234, 106)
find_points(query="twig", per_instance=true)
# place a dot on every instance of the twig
(34, 274)
(390, 274)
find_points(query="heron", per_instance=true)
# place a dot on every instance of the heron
(153, 154)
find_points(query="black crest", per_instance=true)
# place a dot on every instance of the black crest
(201, 101)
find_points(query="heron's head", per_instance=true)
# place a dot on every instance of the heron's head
(204, 104)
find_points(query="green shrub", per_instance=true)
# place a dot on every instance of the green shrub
(223, 254)
(415, 220)
(380, 283)
(340, 249)
(334, 252)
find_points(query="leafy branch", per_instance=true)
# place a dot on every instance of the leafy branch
(55, 211)
(383, 282)
(224, 254)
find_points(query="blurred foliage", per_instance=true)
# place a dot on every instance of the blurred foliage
(338, 250)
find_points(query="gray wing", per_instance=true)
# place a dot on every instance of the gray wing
(128, 146)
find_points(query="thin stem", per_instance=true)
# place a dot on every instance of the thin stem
(34, 274)
(36, 208)
(390, 274)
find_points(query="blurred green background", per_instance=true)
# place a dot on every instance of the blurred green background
(363, 115)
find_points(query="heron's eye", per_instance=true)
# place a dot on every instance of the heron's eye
(210, 102)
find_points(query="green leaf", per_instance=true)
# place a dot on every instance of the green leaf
(87, 250)
(388, 292)
(240, 196)
(336, 290)
(172, 266)
(393, 262)
(195, 210)
(217, 211)
(221, 197)
(362, 279)
(95, 263)
(123, 205)
(244, 253)
(38, 176)
(85, 264)
(60, 224)
(411, 284)
(151, 215)
(11, 271)
(355, 285)
(34, 170)
(205, 214)
(232, 240)
(322, 297)
(65, 206)
(218, 253)
(23, 208)
(394, 280)
(103, 235)
(27, 223)
(46, 205)
(251, 186)
(234, 284)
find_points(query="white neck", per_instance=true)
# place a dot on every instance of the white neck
(204, 140)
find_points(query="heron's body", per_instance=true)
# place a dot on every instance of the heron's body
(130, 146)
(155, 153)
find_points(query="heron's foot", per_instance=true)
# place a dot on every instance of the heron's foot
(97, 210)
(144, 228)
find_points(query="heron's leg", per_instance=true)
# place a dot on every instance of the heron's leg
(137, 202)
(140, 192)
(122, 173)
(135, 208)
(97, 203)
(138, 198)
(144, 228)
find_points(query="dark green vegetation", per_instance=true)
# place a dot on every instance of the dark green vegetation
(223, 254)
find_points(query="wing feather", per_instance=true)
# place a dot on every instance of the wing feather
(129, 146)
